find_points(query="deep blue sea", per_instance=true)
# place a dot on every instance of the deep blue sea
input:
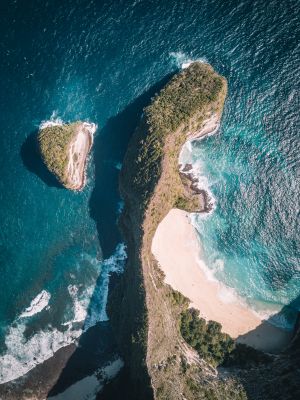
(101, 61)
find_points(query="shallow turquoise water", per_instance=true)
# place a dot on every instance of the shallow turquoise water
(93, 61)
(251, 168)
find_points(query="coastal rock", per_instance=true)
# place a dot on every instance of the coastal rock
(64, 149)
(193, 188)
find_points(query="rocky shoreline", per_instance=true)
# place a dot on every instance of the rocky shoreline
(191, 181)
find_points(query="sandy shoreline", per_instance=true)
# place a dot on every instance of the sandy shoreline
(176, 248)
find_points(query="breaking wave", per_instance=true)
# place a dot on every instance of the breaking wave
(53, 121)
(89, 307)
(196, 171)
(182, 60)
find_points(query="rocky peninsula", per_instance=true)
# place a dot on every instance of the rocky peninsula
(170, 351)
(64, 149)
(149, 312)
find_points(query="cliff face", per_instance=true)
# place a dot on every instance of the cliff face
(144, 313)
(64, 149)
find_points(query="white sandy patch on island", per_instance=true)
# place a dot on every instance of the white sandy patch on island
(175, 246)
(78, 152)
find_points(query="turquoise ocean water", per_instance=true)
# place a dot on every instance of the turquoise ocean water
(101, 62)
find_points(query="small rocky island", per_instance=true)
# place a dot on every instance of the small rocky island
(64, 149)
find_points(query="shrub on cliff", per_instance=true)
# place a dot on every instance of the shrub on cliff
(187, 93)
(206, 338)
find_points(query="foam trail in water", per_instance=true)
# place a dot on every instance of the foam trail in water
(228, 294)
(80, 306)
(115, 263)
(37, 305)
(120, 207)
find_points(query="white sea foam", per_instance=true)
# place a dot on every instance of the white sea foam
(230, 295)
(203, 183)
(91, 127)
(273, 315)
(88, 387)
(53, 121)
(80, 307)
(23, 354)
(115, 263)
(207, 271)
(96, 309)
(37, 305)
(183, 61)
(225, 293)
(219, 265)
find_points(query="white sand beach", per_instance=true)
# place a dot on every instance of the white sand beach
(177, 250)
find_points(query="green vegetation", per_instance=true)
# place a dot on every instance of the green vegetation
(224, 390)
(54, 142)
(181, 203)
(186, 95)
(178, 298)
(206, 338)
(216, 347)
(189, 98)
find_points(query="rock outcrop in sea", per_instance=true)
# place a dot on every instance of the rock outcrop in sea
(64, 149)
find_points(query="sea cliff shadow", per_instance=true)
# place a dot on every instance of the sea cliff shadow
(273, 339)
(33, 161)
(278, 377)
(109, 150)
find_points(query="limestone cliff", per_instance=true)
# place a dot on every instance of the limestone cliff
(145, 313)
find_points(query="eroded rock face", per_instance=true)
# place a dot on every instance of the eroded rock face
(64, 149)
